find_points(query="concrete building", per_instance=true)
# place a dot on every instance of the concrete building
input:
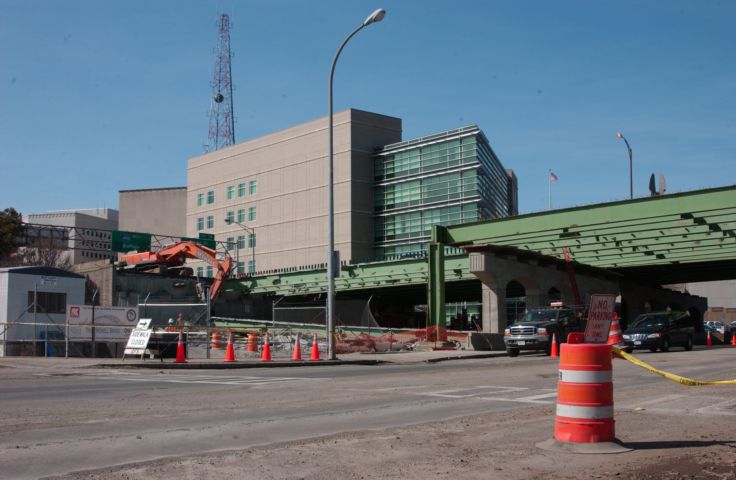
(267, 197)
(33, 304)
(89, 232)
(160, 211)
(276, 186)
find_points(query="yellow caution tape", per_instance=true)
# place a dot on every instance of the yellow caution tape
(670, 376)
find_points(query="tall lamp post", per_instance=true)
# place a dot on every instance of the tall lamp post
(631, 176)
(374, 17)
(248, 229)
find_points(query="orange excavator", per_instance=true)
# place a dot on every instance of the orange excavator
(171, 259)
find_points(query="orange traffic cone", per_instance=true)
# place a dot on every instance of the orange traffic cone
(266, 353)
(553, 351)
(615, 337)
(230, 351)
(181, 356)
(733, 338)
(297, 353)
(315, 349)
(708, 341)
(215, 340)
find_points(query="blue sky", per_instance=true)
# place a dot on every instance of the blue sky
(102, 96)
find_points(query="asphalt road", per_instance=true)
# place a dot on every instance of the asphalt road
(58, 420)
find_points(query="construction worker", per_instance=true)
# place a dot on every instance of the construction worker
(180, 321)
(171, 327)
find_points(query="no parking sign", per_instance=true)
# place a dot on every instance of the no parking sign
(600, 316)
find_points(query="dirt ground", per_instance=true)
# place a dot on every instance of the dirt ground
(502, 446)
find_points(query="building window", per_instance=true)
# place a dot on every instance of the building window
(229, 217)
(200, 271)
(241, 241)
(252, 187)
(230, 243)
(200, 199)
(251, 240)
(230, 192)
(241, 215)
(241, 189)
(209, 271)
(251, 267)
(200, 223)
(210, 197)
(210, 221)
(47, 302)
(241, 267)
(252, 214)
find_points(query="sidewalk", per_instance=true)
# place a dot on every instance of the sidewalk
(218, 362)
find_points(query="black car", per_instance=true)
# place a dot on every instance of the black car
(660, 330)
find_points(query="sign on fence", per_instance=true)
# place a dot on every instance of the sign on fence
(600, 316)
(106, 320)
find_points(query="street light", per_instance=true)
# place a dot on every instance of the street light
(248, 229)
(374, 17)
(631, 177)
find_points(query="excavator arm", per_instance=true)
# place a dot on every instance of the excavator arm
(175, 255)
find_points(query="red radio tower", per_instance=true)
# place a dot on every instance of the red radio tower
(222, 121)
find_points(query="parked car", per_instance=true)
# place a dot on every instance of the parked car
(534, 330)
(715, 325)
(660, 330)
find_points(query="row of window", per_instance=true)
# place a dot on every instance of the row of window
(426, 159)
(46, 302)
(423, 191)
(239, 268)
(230, 215)
(209, 221)
(230, 192)
(96, 255)
(239, 243)
(418, 225)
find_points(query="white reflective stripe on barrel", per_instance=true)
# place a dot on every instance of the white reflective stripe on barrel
(585, 376)
(573, 411)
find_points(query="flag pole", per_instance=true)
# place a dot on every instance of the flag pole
(549, 190)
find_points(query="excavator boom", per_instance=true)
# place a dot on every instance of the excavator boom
(175, 256)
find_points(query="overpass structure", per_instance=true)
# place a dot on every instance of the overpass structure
(685, 237)
(626, 247)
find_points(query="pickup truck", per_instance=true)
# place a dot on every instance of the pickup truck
(534, 330)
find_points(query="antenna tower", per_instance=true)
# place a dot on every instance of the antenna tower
(222, 120)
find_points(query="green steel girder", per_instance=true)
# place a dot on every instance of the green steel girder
(353, 277)
(680, 228)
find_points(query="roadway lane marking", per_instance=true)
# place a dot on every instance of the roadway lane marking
(202, 379)
(684, 405)
(495, 393)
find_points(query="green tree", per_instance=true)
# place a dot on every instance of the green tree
(11, 227)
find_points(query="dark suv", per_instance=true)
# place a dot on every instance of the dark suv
(660, 330)
(534, 330)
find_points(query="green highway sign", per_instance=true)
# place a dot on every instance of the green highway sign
(130, 241)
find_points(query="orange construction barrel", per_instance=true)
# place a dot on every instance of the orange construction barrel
(252, 342)
(585, 394)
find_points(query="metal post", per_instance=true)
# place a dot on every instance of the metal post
(66, 339)
(330, 323)
(94, 338)
(631, 165)
(35, 320)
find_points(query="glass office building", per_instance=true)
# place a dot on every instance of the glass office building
(448, 178)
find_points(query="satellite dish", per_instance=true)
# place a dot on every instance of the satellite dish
(662, 184)
(219, 98)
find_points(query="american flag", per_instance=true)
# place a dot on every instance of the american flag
(552, 176)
